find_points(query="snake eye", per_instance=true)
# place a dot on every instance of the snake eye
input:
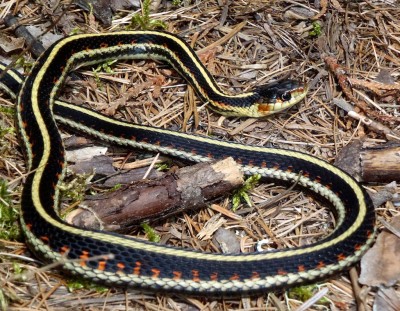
(286, 96)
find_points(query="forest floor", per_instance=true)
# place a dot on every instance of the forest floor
(347, 52)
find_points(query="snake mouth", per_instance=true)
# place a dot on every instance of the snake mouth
(280, 95)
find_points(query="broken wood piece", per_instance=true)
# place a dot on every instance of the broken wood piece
(187, 188)
(370, 164)
(381, 163)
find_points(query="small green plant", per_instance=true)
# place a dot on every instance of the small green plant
(143, 21)
(163, 167)
(76, 188)
(176, 2)
(151, 233)
(10, 111)
(6, 130)
(303, 293)
(75, 31)
(21, 62)
(17, 268)
(317, 29)
(9, 228)
(103, 67)
(5, 133)
(242, 193)
(114, 188)
(75, 283)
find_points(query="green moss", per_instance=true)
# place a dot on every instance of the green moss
(9, 226)
(304, 293)
(74, 284)
(151, 233)
(76, 188)
(242, 193)
(317, 29)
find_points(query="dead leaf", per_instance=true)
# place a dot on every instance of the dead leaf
(387, 299)
(380, 265)
(8, 44)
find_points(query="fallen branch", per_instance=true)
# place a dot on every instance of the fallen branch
(347, 84)
(187, 188)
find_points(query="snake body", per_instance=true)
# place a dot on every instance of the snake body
(119, 260)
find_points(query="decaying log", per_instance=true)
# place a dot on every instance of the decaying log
(381, 163)
(186, 188)
(371, 164)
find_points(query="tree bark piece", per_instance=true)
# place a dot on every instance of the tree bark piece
(187, 188)
(381, 163)
(371, 164)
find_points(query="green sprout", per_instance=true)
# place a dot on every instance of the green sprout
(9, 228)
(75, 283)
(151, 233)
(242, 193)
(176, 2)
(317, 29)
(304, 293)
(103, 67)
(143, 21)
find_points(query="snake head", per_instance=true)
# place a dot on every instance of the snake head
(279, 95)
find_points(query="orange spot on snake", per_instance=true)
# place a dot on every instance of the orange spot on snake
(255, 275)
(156, 273)
(214, 276)
(195, 274)
(177, 275)
(64, 250)
(84, 257)
(102, 265)
(320, 265)
(136, 270)
(282, 272)
(235, 277)
(45, 239)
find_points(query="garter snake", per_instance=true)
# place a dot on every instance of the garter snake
(118, 260)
